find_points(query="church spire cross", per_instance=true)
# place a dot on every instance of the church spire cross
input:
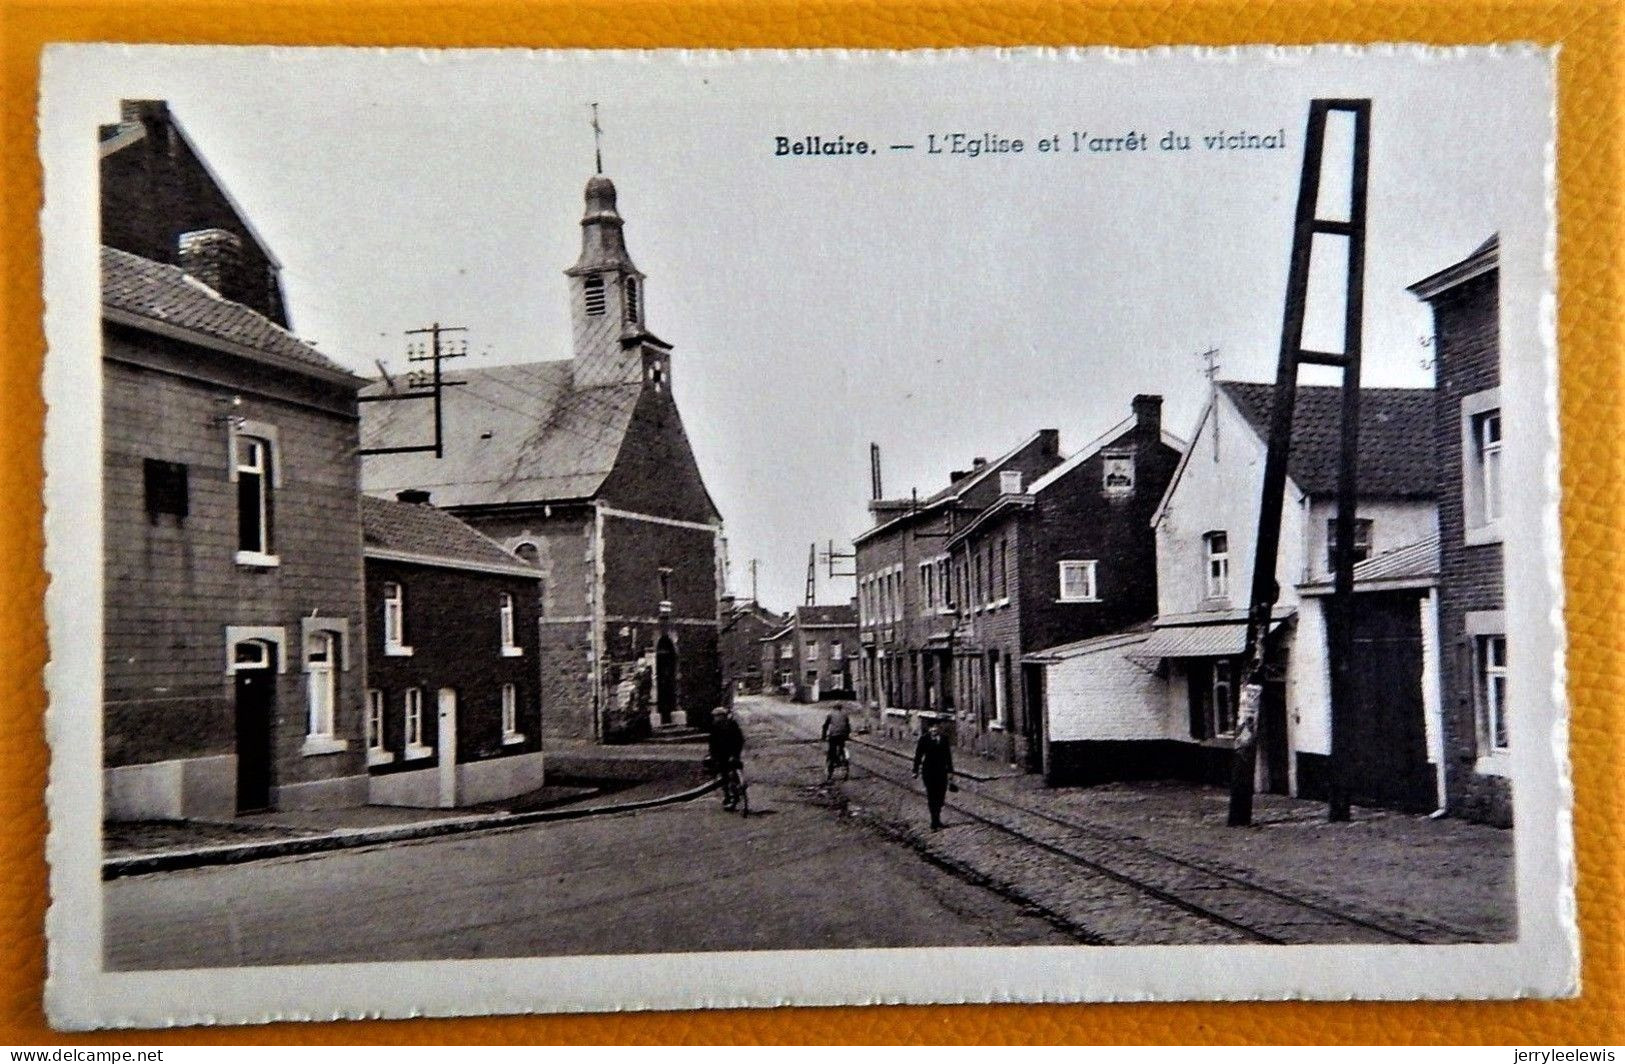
(597, 140)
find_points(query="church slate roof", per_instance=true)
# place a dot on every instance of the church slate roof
(513, 434)
(1397, 458)
(421, 529)
(166, 295)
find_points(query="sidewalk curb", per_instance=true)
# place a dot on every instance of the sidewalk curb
(353, 838)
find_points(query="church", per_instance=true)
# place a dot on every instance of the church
(582, 467)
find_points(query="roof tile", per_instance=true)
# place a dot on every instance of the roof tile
(418, 528)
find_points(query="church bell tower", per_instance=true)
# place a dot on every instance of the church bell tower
(612, 346)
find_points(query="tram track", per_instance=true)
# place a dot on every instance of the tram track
(1243, 908)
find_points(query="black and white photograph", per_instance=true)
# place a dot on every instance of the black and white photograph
(554, 531)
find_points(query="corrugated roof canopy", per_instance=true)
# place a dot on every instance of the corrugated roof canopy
(1197, 641)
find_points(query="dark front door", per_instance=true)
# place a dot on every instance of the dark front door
(665, 679)
(1032, 715)
(1385, 752)
(1272, 737)
(256, 708)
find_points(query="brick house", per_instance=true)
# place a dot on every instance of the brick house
(1160, 701)
(905, 594)
(1467, 440)
(233, 580)
(813, 656)
(743, 626)
(453, 716)
(1066, 556)
(583, 468)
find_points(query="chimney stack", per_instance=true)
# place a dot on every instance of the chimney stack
(874, 472)
(212, 256)
(413, 496)
(1148, 415)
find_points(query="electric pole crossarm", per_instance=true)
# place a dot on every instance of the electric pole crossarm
(434, 389)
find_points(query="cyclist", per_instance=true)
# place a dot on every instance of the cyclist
(726, 746)
(837, 729)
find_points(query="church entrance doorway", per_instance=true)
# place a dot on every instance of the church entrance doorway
(665, 679)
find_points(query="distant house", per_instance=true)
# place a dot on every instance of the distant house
(234, 663)
(1161, 701)
(583, 468)
(906, 589)
(453, 715)
(743, 626)
(1475, 668)
(1065, 556)
(811, 658)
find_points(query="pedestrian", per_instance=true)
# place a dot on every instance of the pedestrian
(726, 747)
(934, 763)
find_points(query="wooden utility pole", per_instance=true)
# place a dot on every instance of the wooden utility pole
(1309, 224)
(753, 597)
(424, 384)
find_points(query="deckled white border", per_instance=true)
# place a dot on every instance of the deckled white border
(1544, 962)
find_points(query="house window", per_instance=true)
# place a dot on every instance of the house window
(253, 497)
(632, 299)
(837, 651)
(1078, 582)
(321, 682)
(1362, 541)
(1482, 505)
(165, 484)
(1212, 698)
(1217, 548)
(1010, 482)
(946, 583)
(376, 751)
(510, 649)
(981, 592)
(926, 594)
(414, 724)
(1491, 652)
(593, 291)
(1118, 473)
(395, 621)
(786, 651)
(812, 650)
(1004, 569)
(1222, 700)
(510, 714)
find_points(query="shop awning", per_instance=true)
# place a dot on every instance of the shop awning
(1197, 641)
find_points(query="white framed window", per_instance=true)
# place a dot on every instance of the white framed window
(1117, 474)
(1362, 541)
(1481, 474)
(837, 651)
(1010, 482)
(1490, 652)
(377, 752)
(412, 704)
(1078, 581)
(812, 650)
(1216, 547)
(322, 662)
(786, 651)
(1222, 700)
(510, 649)
(252, 461)
(592, 290)
(510, 715)
(395, 621)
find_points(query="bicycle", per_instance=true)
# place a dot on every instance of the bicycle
(836, 757)
(735, 791)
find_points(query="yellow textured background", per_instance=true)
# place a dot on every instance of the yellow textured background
(1591, 172)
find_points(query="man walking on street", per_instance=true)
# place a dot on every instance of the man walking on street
(934, 762)
(837, 729)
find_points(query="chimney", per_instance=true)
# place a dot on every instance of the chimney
(874, 472)
(211, 256)
(1148, 415)
(413, 496)
(977, 463)
(132, 111)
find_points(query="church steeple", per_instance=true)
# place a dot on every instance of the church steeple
(606, 297)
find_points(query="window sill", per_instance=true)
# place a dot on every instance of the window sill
(1482, 535)
(995, 725)
(513, 652)
(379, 757)
(1070, 601)
(417, 753)
(512, 739)
(317, 745)
(393, 651)
(1497, 763)
(253, 559)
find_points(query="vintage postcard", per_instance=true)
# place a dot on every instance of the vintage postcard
(549, 531)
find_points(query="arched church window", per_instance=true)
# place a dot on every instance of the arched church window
(593, 288)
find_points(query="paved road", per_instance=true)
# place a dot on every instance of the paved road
(796, 875)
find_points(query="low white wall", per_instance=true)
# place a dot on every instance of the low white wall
(322, 794)
(1104, 695)
(499, 777)
(187, 788)
(417, 787)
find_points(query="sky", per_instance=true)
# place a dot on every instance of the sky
(940, 305)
